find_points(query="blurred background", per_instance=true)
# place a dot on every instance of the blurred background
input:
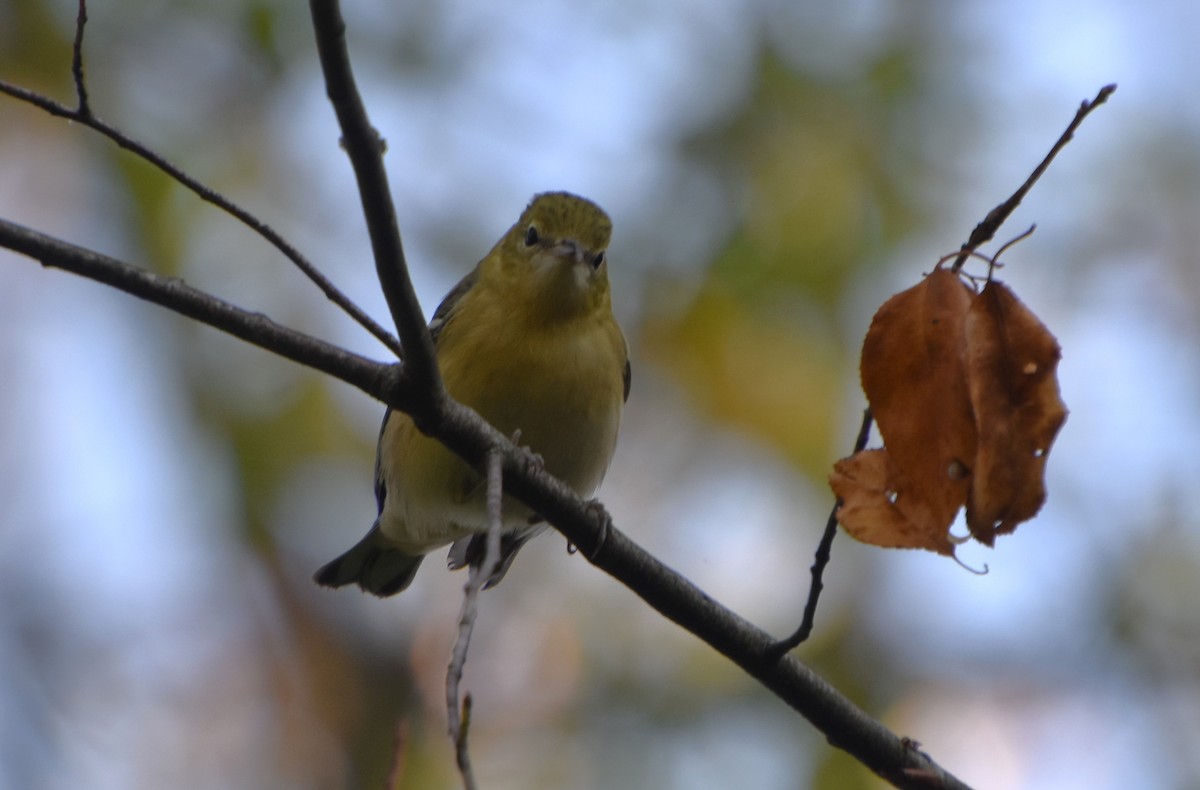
(775, 170)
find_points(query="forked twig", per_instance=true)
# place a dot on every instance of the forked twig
(82, 114)
(364, 146)
(986, 229)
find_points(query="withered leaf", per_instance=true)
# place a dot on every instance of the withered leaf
(881, 506)
(914, 378)
(1011, 362)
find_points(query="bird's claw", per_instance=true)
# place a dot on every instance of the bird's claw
(535, 461)
(595, 508)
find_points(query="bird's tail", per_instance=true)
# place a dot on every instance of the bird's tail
(374, 565)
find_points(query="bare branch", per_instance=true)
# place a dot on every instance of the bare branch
(477, 576)
(986, 229)
(83, 110)
(461, 755)
(83, 115)
(458, 721)
(822, 557)
(365, 148)
(372, 377)
(495, 512)
(584, 524)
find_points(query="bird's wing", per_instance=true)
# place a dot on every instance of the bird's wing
(441, 316)
(445, 311)
(380, 484)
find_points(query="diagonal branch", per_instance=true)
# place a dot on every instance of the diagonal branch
(588, 526)
(365, 148)
(986, 229)
(174, 294)
(584, 524)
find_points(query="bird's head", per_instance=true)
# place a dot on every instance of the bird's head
(558, 250)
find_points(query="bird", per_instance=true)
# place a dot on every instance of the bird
(528, 340)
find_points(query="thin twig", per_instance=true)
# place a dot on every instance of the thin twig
(84, 110)
(821, 559)
(986, 229)
(495, 509)
(458, 719)
(459, 724)
(462, 756)
(458, 656)
(83, 115)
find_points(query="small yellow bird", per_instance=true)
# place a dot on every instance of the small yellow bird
(527, 340)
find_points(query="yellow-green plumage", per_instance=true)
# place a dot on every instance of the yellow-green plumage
(528, 340)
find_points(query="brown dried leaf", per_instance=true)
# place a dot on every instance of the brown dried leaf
(1011, 362)
(880, 506)
(914, 378)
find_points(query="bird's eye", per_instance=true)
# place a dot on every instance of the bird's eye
(598, 261)
(531, 236)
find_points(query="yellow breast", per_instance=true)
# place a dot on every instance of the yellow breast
(561, 386)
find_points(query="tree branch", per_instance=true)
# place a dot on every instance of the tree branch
(365, 148)
(585, 524)
(83, 116)
(459, 718)
(821, 559)
(372, 377)
(81, 95)
(986, 229)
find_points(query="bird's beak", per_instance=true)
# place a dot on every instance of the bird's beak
(568, 250)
